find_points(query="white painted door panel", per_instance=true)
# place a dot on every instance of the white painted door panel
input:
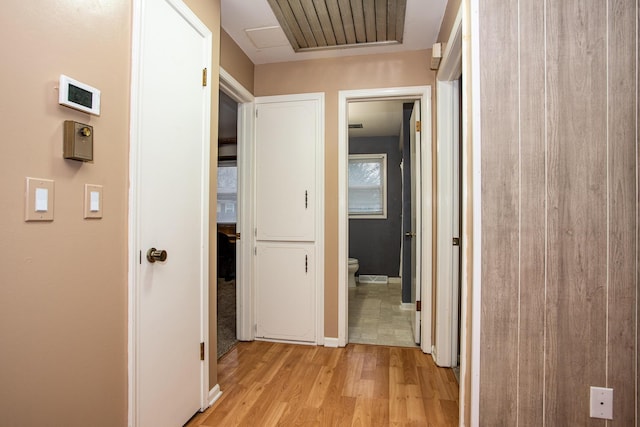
(172, 188)
(285, 170)
(285, 291)
(416, 214)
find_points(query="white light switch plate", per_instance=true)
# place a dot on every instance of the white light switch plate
(601, 403)
(39, 199)
(92, 201)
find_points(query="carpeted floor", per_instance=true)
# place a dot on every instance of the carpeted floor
(226, 316)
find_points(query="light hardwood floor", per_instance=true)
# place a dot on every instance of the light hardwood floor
(267, 384)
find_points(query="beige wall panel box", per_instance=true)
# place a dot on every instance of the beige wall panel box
(78, 141)
(39, 199)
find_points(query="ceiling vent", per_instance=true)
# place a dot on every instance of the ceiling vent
(332, 24)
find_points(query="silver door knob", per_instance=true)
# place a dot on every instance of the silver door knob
(154, 255)
(410, 234)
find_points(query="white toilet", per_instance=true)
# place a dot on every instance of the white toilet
(353, 267)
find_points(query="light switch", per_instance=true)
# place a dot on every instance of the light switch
(92, 201)
(94, 204)
(39, 199)
(42, 199)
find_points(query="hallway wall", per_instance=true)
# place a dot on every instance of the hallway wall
(559, 113)
(63, 284)
(330, 76)
(376, 242)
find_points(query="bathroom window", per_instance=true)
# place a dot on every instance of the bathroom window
(368, 186)
(227, 193)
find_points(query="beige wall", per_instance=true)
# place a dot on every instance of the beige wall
(235, 62)
(450, 14)
(63, 284)
(330, 76)
(559, 107)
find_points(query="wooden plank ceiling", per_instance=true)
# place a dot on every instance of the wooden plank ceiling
(330, 24)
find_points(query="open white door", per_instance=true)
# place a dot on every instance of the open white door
(448, 253)
(416, 223)
(169, 212)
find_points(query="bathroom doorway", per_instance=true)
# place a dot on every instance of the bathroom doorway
(424, 232)
(382, 246)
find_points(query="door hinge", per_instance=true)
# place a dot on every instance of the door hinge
(418, 305)
(456, 241)
(255, 251)
(237, 236)
(256, 112)
(201, 351)
(418, 126)
(204, 77)
(140, 260)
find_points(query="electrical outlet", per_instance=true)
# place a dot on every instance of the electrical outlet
(601, 403)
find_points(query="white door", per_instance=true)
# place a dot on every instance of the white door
(170, 192)
(416, 288)
(448, 220)
(286, 308)
(288, 143)
(285, 170)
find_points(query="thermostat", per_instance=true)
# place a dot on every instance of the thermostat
(80, 96)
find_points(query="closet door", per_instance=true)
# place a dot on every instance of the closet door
(286, 291)
(285, 170)
(288, 145)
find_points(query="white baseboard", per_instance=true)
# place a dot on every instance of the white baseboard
(331, 342)
(214, 394)
(407, 306)
(395, 280)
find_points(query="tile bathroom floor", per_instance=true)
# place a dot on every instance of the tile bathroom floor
(375, 316)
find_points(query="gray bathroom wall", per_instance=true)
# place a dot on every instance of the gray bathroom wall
(376, 242)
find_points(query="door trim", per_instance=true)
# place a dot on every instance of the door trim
(245, 310)
(422, 93)
(134, 245)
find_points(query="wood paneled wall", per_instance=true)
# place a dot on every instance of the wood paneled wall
(559, 114)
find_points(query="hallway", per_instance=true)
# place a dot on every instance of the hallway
(267, 384)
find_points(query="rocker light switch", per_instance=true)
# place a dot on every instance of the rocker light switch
(92, 201)
(39, 200)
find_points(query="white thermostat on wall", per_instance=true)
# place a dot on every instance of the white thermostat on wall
(79, 96)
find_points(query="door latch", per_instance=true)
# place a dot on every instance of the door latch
(456, 241)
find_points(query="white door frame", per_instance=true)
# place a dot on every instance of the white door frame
(134, 246)
(245, 309)
(445, 351)
(422, 93)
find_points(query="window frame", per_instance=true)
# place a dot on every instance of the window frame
(383, 185)
(228, 163)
